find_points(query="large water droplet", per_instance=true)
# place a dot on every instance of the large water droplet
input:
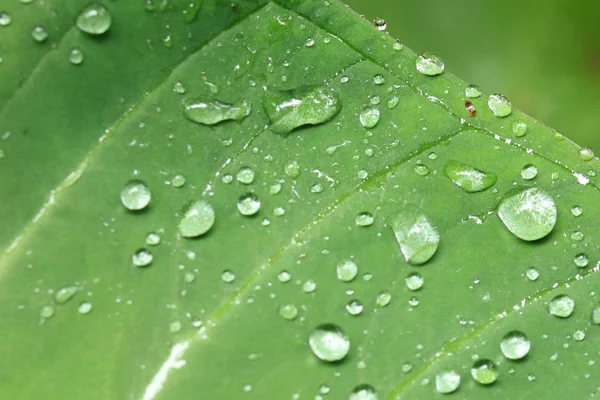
(468, 178)
(530, 214)
(515, 345)
(329, 343)
(447, 381)
(380, 23)
(65, 294)
(576, 211)
(363, 392)
(369, 117)
(309, 286)
(417, 236)
(197, 218)
(532, 274)
(142, 258)
(346, 271)
(581, 260)
(484, 372)
(500, 105)
(212, 112)
(94, 19)
(562, 306)
(228, 276)
(290, 110)
(429, 64)
(135, 195)
(248, 204)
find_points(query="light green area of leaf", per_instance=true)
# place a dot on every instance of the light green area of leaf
(213, 317)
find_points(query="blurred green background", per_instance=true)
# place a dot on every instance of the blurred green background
(543, 55)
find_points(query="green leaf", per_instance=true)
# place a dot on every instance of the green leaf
(261, 258)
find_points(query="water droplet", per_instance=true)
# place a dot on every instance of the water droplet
(576, 211)
(212, 112)
(429, 64)
(398, 46)
(197, 219)
(406, 367)
(586, 154)
(579, 335)
(39, 34)
(135, 195)
(515, 345)
(378, 80)
(413, 302)
(346, 271)
(421, 170)
(65, 294)
(94, 19)
(529, 214)
(284, 276)
(290, 110)
(531, 377)
(417, 236)
(329, 343)
(309, 42)
(369, 117)
(469, 179)
(596, 315)
(84, 308)
(288, 311)
(484, 372)
(364, 219)
(47, 312)
(414, 281)
(577, 236)
(174, 326)
(279, 211)
(189, 277)
(383, 299)
(380, 24)
(309, 286)
(178, 88)
(227, 276)
(472, 91)
(363, 392)
(393, 102)
(275, 189)
(142, 258)
(447, 381)
(245, 175)
(354, 307)
(248, 204)
(519, 128)
(76, 56)
(529, 171)
(5, 19)
(581, 260)
(532, 274)
(292, 169)
(362, 174)
(561, 306)
(178, 181)
(499, 105)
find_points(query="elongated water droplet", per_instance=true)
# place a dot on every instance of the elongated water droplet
(363, 392)
(248, 204)
(447, 381)
(290, 110)
(429, 64)
(329, 343)
(354, 307)
(515, 345)
(469, 179)
(364, 219)
(197, 219)
(414, 281)
(529, 171)
(212, 112)
(484, 372)
(369, 117)
(561, 306)
(346, 271)
(135, 195)
(84, 308)
(288, 311)
(472, 91)
(383, 299)
(530, 214)
(65, 294)
(142, 258)
(596, 315)
(417, 236)
(94, 20)
(499, 105)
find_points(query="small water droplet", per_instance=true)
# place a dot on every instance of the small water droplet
(406, 367)
(288, 311)
(175, 326)
(596, 315)
(346, 271)
(378, 80)
(529, 171)
(189, 277)
(398, 46)
(469, 179)
(579, 335)
(581, 260)
(393, 102)
(248, 204)
(383, 299)
(47, 312)
(316, 188)
(529, 214)
(576, 211)
(515, 345)
(84, 308)
(484, 372)
(363, 392)
(429, 64)
(414, 281)
(292, 169)
(94, 20)
(499, 105)
(197, 219)
(472, 91)
(577, 236)
(65, 294)
(417, 236)
(5, 19)
(309, 286)
(586, 154)
(178, 88)
(519, 128)
(245, 175)
(364, 219)
(76, 56)
(329, 343)
(309, 42)
(532, 274)
(135, 195)
(531, 377)
(447, 381)
(212, 112)
(413, 301)
(142, 258)
(380, 23)
(561, 306)
(354, 307)
(275, 189)
(284, 276)
(227, 276)
(369, 117)
(178, 181)
(39, 34)
(421, 170)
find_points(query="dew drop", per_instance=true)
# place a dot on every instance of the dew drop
(447, 381)
(76, 56)
(380, 24)
(279, 211)
(364, 219)
(579, 335)
(417, 236)
(414, 281)
(178, 181)
(577, 236)
(369, 117)
(378, 79)
(288, 311)
(576, 211)
(5, 19)
(212, 112)
(515, 345)
(142, 258)
(472, 91)
(398, 46)
(227, 276)
(309, 42)
(429, 64)
(47, 312)
(39, 34)
(329, 343)
(354, 307)
(383, 299)
(561, 306)
(197, 219)
(586, 154)
(245, 175)
(499, 105)
(581, 260)
(519, 128)
(393, 102)
(309, 286)
(284, 276)
(84, 308)
(65, 294)
(174, 326)
(189, 277)
(248, 204)
(421, 170)
(178, 88)
(529, 214)
(363, 392)
(469, 179)
(484, 372)
(94, 20)
(529, 171)
(532, 274)
(135, 195)
(292, 169)
(413, 301)
(596, 315)
(406, 367)
(346, 271)
(275, 189)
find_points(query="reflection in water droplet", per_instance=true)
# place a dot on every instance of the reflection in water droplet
(142, 258)
(39, 34)
(472, 91)
(417, 236)
(94, 20)
(515, 345)
(532, 274)
(248, 204)
(135, 195)
(429, 64)
(414, 281)
(227, 276)
(530, 214)
(212, 112)
(586, 154)
(581, 260)
(484, 372)
(292, 169)
(84, 308)
(288, 311)
(363, 392)
(469, 179)
(354, 307)
(383, 299)
(290, 110)
(65, 294)
(529, 171)
(447, 381)
(369, 117)
(76, 56)
(346, 271)
(561, 306)
(519, 128)
(329, 343)
(197, 219)
(364, 219)
(499, 105)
